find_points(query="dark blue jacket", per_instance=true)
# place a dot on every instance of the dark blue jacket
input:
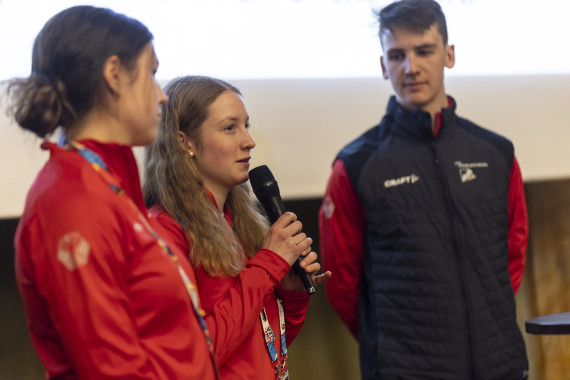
(436, 299)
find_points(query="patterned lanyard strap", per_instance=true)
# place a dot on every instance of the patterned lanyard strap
(97, 163)
(279, 362)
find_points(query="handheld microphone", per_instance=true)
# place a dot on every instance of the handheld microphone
(266, 190)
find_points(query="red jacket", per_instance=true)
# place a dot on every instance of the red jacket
(247, 357)
(341, 240)
(102, 299)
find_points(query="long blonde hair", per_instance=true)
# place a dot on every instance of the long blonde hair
(173, 180)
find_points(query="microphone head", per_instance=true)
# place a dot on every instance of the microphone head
(263, 182)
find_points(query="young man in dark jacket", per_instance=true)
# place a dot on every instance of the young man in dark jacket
(424, 223)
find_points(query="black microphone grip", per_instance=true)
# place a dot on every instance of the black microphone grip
(267, 192)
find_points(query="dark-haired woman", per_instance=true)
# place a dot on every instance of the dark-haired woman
(105, 296)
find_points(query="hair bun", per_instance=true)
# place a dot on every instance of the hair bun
(40, 105)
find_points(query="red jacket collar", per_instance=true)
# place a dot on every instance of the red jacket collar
(439, 118)
(120, 162)
(227, 213)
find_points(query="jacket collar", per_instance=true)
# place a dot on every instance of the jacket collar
(416, 123)
(120, 162)
(227, 214)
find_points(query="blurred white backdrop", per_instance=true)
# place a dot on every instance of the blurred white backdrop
(308, 38)
(309, 71)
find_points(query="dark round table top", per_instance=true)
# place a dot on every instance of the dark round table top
(549, 324)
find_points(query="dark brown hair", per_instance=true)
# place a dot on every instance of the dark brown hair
(415, 15)
(67, 66)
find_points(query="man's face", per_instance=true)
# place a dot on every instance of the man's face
(414, 64)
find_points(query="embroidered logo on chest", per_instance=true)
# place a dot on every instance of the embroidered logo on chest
(467, 170)
(405, 180)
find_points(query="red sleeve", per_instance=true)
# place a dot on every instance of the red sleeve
(341, 226)
(295, 305)
(221, 298)
(231, 313)
(518, 227)
(89, 306)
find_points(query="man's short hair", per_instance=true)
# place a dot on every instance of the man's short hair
(415, 15)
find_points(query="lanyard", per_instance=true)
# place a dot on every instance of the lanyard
(97, 163)
(279, 363)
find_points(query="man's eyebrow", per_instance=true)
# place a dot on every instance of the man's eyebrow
(395, 50)
(426, 46)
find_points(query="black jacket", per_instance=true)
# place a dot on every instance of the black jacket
(436, 299)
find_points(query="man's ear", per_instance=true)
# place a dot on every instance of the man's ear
(111, 74)
(450, 56)
(384, 71)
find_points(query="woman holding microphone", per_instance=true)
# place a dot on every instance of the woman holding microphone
(195, 180)
(107, 294)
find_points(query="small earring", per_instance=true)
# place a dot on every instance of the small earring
(192, 154)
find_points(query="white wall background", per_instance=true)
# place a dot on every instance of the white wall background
(300, 124)
(310, 76)
(308, 38)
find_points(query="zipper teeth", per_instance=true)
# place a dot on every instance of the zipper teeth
(449, 207)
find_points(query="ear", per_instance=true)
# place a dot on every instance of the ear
(384, 71)
(111, 74)
(185, 143)
(450, 56)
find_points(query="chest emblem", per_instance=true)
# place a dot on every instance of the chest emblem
(408, 179)
(466, 170)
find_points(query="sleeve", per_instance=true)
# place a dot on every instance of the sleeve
(518, 227)
(231, 319)
(74, 284)
(232, 309)
(295, 306)
(341, 228)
